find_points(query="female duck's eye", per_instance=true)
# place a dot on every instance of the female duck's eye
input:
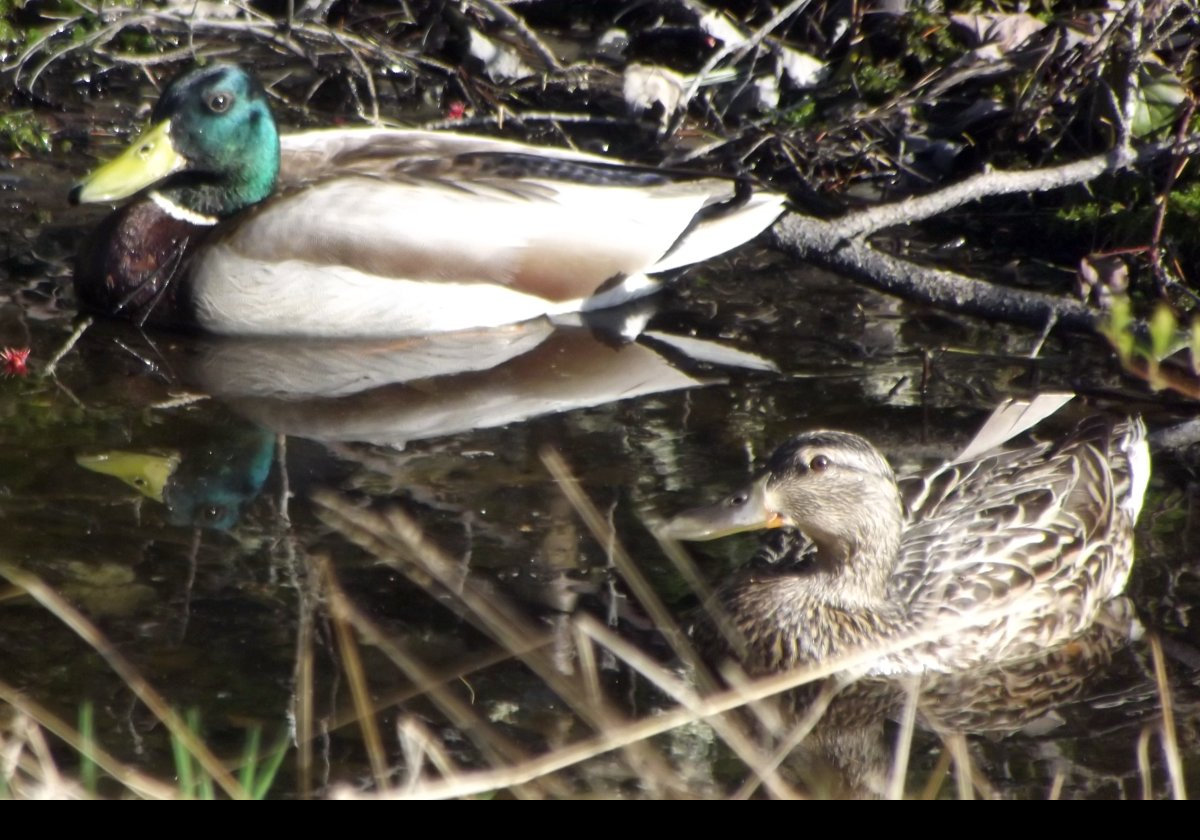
(219, 103)
(818, 463)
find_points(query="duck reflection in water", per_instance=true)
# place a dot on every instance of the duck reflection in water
(205, 483)
(393, 392)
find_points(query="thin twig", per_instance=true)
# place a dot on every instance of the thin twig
(62, 351)
(736, 49)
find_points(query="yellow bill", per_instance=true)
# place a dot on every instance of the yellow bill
(151, 158)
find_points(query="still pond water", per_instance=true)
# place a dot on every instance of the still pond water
(202, 573)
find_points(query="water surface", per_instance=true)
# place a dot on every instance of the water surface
(201, 565)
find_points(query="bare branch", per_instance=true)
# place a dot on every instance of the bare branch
(989, 183)
(1128, 105)
(823, 244)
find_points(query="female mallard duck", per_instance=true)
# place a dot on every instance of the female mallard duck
(1034, 540)
(364, 232)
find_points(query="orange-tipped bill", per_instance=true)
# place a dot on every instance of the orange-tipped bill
(748, 509)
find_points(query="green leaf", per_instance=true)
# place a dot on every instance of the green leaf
(270, 768)
(1162, 331)
(88, 772)
(1117, 328)
(250, 759)
(1194, 345)
(1158, 99)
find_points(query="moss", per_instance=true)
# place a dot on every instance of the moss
(929, 37)
(1122, 214)
(23, 131)
(1186, 202)
(801, 116)
(921, 40)
(875, 81)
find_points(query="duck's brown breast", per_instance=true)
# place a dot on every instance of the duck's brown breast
(135, 266)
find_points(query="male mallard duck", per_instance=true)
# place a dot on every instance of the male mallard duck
(365, 232)
(1035, 540)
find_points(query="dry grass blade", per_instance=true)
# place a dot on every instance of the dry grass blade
(691, 575)
(394, 698)
(1143, 761)
(604, 533)
(302, 702)
(419, 745)
(131, 778)
(635, 731)
(763, 768)
(393, 537)
(812, 716)
(493, 745)
(956, 744)
(586, 652)
(1056, 786)
(52, 365)
(912, 689)
(352, 665)
(937, 776)
(27, 769)
(154, 701)
(1170, 740)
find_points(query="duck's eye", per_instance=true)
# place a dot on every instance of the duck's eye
(819, 463)
(739, 499)
(219, 103)
(213, 513)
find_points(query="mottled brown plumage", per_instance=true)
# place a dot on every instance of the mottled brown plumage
(1033, 541)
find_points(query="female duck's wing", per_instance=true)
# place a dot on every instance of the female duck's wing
(1045, 531)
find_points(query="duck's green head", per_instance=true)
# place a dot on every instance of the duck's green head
(212, 147)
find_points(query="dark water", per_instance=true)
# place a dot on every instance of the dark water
(207, 585)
